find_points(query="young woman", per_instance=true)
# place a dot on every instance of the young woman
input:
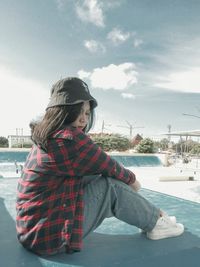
(69, 185)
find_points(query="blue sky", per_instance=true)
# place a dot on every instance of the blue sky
(141, 59)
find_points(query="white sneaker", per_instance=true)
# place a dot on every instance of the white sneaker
(165, 228)
(172, 218)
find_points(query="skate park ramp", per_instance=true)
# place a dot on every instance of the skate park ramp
(137, 160)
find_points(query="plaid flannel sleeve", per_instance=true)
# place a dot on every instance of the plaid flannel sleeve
(91, 159)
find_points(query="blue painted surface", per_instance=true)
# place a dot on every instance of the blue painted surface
(138, 160)
(113, 244)
(12, 156)
(11, 162)
(126, 160)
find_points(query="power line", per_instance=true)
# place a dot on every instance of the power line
(191, 115)
(130, 127)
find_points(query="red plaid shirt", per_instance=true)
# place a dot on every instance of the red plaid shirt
(49, 198)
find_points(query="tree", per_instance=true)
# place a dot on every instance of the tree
(109, 142)
(145, 146)
(188, 146)
(195, 150)
(164, 144)
(3, 141)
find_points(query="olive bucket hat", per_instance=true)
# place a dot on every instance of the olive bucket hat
(70, 91)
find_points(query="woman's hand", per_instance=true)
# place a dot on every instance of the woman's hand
(136, 186)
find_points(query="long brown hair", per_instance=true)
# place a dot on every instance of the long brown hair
(54, 119)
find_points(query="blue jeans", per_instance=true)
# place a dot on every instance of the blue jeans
(106, 197)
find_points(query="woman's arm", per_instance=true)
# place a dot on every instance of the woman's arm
(91, 159)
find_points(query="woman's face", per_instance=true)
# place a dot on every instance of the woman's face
(83, 117)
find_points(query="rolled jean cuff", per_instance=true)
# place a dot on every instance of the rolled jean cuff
(154, 219)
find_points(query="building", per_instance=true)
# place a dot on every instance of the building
(136, 140)
(19, 141)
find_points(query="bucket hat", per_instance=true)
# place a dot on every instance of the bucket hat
(70, 91)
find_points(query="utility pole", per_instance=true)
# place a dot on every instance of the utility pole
(169, 136)
(22, 138)
(169, 131)
(103, 126)
(19, 135)
(130, 127)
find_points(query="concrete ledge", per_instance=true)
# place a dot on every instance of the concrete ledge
(175, 178)
(113, 244)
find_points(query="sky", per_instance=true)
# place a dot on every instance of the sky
(140, 59)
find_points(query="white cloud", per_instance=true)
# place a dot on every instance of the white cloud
(94, 46)
(60, 4)
(22, 100)
(117, 77)
(128, 95)
(112, 3)
(91, 11)
(137, 42)
(83, 74)
(183, 81)
(117, 36)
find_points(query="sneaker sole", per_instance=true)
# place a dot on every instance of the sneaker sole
(166, 234)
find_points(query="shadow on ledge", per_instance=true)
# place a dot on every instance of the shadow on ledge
(133, 250)
(12, 254)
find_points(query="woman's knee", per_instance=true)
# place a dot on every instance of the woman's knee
(119, 185)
